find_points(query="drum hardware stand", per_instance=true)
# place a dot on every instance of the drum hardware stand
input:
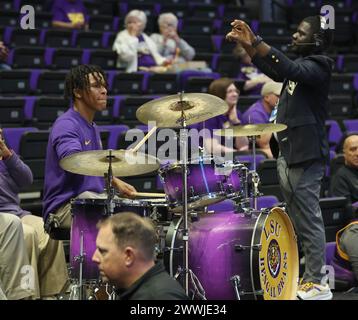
(198, 289)
(235, 280)
(109, 186)
(254, 175)
(240, 247)
(183, 143)
(74, 294)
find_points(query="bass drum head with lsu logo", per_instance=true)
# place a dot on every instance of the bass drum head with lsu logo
(277, 261)
(260, 248)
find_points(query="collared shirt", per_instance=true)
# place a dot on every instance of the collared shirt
(71, 133)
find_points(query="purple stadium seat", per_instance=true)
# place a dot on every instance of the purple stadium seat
(351, 125)
(341, 274)
(332, 155)
(13, 136)
(114, 132)
(334, 133)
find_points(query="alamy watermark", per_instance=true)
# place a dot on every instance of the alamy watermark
(27, 20)
(328, 13)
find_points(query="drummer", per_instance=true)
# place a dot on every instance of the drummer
(225, 89)
(73, 132)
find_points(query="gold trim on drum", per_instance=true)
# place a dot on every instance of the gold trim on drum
(278, 257)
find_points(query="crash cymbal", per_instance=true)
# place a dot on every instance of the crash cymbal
(166, 111)
(250, 130)
(95, 163)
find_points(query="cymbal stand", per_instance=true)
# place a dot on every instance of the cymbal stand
(109, 186)
(77, 292)
(254, 176)
(183, 138)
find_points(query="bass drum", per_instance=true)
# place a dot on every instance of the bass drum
(260, 249)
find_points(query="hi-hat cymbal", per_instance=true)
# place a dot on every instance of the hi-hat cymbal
(125, 163)
(250, 130)
(167, 111)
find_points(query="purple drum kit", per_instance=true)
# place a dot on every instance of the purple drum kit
(244, 253)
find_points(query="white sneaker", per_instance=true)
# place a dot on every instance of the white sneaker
(313, 291)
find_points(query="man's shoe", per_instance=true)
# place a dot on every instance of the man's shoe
(313, 291)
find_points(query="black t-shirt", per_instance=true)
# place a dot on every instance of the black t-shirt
(155, 284)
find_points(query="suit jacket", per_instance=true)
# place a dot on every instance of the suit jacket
(303, 103)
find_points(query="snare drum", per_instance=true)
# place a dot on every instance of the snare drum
(261, 250)
(208, 182)
(86, 213)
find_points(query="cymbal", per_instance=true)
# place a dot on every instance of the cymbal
(96, 162)
(250, 130)
(167, 111)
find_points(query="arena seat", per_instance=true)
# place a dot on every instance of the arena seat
(15, 82)
(51, 83)
(91, 40)
(106, 59)
(22, 38)
(57, 38)
(13, 136)
(46, 110)
(161, 83)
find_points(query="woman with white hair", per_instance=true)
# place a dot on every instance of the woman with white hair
(134, 48)
(169, 44)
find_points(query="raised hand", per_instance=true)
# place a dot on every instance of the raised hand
(241, 33)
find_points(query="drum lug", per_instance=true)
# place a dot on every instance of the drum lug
(79, 258)
(240, 247)
(192, 191)
(256, 293)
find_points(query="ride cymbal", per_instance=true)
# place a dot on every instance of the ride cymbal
(167, 111)
(250, 130)
(125, 163)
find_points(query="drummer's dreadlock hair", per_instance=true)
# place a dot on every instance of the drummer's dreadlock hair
(77, 78)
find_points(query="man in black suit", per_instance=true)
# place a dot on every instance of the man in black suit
(303, 145)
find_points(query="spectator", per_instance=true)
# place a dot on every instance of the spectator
(345, 183)
(69, 14)
(225, 89)
(134, 48)
(13, 258)
(46, 255)
(4, 51)
(261, 110)
(125, 256)
(170, 45)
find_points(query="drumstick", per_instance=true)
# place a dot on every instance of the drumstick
(135, 149)
(147, 194)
